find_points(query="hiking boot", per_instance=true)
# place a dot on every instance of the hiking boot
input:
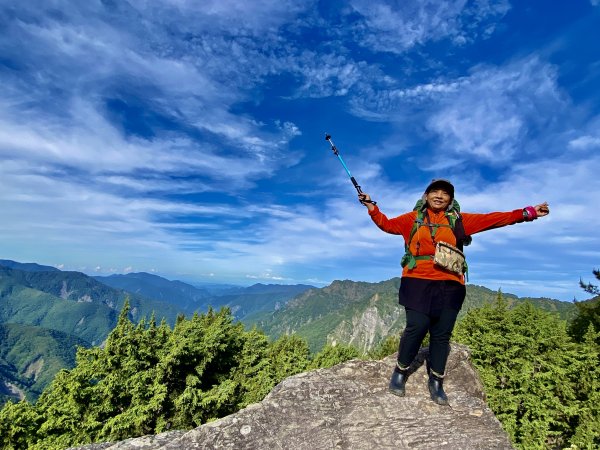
(436, 389)
(398, 381)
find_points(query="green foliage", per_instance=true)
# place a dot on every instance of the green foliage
(197, 367)
(385, 348)
(588, 315)
(589, 287)
(150, 378)
(253, 376)
(289, 355)
(587, 388)
(31, 356)
(19, 423)
(541, 386)
(588, 312)
(334, 354)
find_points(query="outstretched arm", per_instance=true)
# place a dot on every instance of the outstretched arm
(476, 223)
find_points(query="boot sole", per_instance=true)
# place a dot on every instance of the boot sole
(397, 392)
(440, 401)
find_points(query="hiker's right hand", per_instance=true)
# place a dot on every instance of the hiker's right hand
(365, 199)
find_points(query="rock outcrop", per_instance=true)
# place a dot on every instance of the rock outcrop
(349, 407)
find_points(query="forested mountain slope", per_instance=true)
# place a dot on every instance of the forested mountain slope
(30, 357)
(364, 314)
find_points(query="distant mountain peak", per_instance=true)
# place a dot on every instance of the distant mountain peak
(27, 267)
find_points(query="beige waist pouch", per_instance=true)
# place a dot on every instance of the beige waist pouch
(449, 257)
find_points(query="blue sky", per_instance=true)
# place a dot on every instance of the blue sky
(186, 138)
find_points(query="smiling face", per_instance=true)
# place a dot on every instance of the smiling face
(438, 199)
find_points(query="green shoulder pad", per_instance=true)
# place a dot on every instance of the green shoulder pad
(419, 205)
(455, 206)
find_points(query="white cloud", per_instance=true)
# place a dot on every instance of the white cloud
(585, 143)
(69, 211)
(91, 145)
(330, 75)
(259, 16)
(398, 26)
(496, 110)
(495, 114)
(93, 61)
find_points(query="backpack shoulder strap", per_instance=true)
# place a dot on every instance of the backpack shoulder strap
(455, 220)
(420, 208)
(408, 258)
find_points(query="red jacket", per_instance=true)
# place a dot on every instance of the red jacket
(473, 223)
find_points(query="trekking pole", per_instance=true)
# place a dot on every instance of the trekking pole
(337, 153)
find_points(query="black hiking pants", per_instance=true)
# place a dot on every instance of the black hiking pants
(439, 326)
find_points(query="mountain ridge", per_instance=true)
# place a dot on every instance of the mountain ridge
(183, 295)
(363, 314)
(55, 306)
(358, 313)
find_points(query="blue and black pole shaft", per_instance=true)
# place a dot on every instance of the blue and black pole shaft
(337, 153)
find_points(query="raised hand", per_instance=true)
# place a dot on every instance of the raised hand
(542, 209)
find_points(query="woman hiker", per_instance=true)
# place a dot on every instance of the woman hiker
(432, 288)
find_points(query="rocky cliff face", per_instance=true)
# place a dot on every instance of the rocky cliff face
(368, 327)
(349, 407)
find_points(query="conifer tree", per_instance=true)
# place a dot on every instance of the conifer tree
(523, 356)
(288, 356)
(107, 396)
(589, 287)
(132, 394)
(198, 368)
(588, 313)
(585, 329)
(385, 348)
(19, 423)
(331, 355)
(587, 369)
(253, 375)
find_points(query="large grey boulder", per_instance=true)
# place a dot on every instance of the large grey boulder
(349, 407)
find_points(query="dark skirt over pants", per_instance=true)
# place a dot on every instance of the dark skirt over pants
(431, 306)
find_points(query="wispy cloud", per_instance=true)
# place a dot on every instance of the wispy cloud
(396, 27)
(585, 142)
(488, 115)
(495, 110)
